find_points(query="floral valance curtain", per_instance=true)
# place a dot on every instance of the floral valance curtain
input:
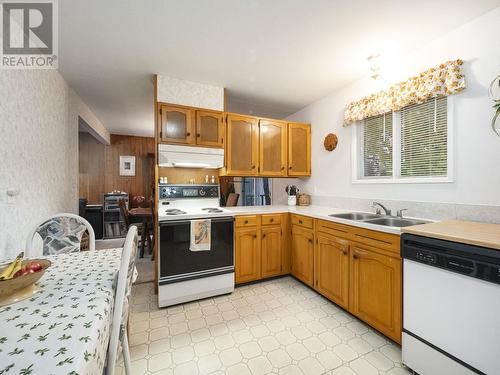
(444, 80)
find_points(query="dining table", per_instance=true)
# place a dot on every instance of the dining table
(63, 328)
(144, 214)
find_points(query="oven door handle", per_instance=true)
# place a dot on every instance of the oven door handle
(184, 221)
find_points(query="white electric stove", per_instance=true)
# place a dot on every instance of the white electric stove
(186, 275)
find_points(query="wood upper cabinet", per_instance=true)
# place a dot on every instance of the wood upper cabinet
(247, 254)
(272, 148)
(303, 254)
(376, 290)
(299, 149)
(176, 124)
(331, 269)
(209, 129)
(242, 149)
(271, 251)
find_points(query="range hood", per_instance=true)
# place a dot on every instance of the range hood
(190, 157)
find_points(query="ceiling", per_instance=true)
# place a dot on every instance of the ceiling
(273, 56)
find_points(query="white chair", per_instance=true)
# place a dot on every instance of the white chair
(60, 233)
(121, 308)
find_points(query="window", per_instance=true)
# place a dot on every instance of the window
(411, 145)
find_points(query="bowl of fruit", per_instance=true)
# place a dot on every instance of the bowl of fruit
(19, 275)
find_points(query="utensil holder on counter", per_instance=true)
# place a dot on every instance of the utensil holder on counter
(292, 200)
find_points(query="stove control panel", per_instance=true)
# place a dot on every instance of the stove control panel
(168, 191)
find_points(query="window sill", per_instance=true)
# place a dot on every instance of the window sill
(409, 180)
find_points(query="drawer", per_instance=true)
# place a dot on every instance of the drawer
(246, 221)
(303, 221)
(333, 228)
(271, 219)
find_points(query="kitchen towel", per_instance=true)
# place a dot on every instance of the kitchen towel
(200, 235)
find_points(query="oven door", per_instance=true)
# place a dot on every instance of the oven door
(178, 263)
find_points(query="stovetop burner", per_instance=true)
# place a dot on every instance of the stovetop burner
(174, 211)
(212, 210)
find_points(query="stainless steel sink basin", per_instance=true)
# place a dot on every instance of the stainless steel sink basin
(358, 216)
(395, 222)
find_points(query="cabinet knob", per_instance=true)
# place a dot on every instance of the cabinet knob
(355, 256)
(198, 135)
(344, 252)
(188, 134)
(254, 236)
(310, 241)
(253, 166)
(263, 236)
(300, 222)
(282, 168)
(290, 167)
(246, 221)
(271, 220)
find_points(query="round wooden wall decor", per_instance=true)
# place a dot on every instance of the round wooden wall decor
(330, 142)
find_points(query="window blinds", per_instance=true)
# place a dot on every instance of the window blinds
(377, 146)
(424, 139)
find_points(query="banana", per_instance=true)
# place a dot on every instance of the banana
(9, 271)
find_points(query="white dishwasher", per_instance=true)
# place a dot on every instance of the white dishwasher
(451, 307)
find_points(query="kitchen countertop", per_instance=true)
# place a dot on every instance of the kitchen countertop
(469, 232)
(317, 212)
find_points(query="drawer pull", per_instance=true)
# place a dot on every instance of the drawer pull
(246, 221)
(300, 222)
(271, 220)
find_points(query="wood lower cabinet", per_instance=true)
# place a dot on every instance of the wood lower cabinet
(247, 253)
(271, 246)
(176, 124)
(209, 129)
(331, 269)
(303, 254)
(299, 149)
(376, 290)
(272, 148)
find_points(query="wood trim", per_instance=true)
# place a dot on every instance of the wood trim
(155, 221)
(284, 147)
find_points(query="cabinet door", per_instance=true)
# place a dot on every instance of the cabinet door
(176, 125)
(376, 290)
(303, 255)
(242, 146)
(209, 129)
(272, 148)
(247, 255)
(271, 251)
(331, 271)
(299, 149)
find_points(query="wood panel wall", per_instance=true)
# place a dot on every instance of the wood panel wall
(100, 171)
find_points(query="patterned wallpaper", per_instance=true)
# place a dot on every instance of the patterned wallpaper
(176, 91)
(38, 153)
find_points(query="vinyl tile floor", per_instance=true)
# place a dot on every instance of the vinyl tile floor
(272, 327)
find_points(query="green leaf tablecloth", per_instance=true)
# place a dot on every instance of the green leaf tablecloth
(65, 327)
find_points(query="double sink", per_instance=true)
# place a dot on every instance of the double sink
(388, 221)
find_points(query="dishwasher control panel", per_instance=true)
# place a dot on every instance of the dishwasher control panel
(468, 260)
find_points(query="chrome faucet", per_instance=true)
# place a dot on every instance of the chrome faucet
(381, 206)
(400, 212)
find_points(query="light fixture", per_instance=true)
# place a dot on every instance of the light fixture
(374, 62)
